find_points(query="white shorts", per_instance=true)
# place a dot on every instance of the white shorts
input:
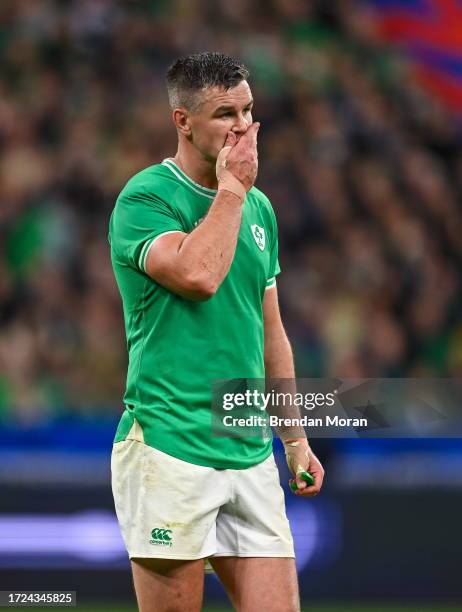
(169, 508)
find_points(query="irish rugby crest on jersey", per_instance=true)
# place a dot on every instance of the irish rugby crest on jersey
(259, 235)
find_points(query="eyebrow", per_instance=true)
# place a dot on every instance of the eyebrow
(231, 107)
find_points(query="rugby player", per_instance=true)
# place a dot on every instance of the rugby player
(194, 248)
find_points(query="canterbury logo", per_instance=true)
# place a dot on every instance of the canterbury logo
(162, 537)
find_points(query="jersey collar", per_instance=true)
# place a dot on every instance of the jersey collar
(178, 172)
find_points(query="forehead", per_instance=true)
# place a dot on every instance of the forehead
(213, 97)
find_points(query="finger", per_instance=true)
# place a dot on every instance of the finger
(296, 484)
(257, 127)
(250, 135)
(301, 484)
(231, 140)
(310, 489)
(223, 154)
(315, 488)
(318, 476)
(292, 484)
(253, 131)
(221, 160)
(308, 492)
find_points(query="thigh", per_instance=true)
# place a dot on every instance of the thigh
(166, 507)
(254, 522)
(259, 583)
(163, 585)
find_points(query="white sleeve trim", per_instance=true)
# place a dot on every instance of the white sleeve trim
(271, 282)
(147, 246)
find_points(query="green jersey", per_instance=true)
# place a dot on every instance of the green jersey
(178, 347)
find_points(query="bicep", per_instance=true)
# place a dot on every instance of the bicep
(167, 265)
(161, 255)
(162, 264)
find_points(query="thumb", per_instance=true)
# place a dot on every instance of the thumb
(231, 139)
(223, 154)
(301, 484)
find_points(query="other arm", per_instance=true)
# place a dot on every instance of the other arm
(279, 363)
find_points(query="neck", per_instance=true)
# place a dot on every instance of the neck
(195, 166)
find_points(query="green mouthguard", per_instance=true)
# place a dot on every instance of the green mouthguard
(304, 476)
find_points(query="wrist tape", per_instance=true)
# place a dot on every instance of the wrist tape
(226, 180)
(229, 182)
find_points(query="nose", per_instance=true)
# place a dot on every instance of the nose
(241, 125)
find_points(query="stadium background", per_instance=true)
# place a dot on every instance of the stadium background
(360, 153)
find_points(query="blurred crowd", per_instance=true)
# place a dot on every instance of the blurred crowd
(362, 167)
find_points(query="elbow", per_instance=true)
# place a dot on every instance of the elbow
(201, 288)
(201, 295)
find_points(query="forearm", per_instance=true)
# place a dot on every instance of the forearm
(279, 361)
(280, 375)
(194, 265)
(208, 251)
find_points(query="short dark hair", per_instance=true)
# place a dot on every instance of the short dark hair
(187, 76)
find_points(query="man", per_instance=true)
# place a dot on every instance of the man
(194, 251)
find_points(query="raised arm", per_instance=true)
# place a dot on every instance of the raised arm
(194, 265)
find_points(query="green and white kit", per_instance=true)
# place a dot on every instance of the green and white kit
(178, 347)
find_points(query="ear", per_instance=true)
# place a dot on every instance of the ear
(181, 120)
